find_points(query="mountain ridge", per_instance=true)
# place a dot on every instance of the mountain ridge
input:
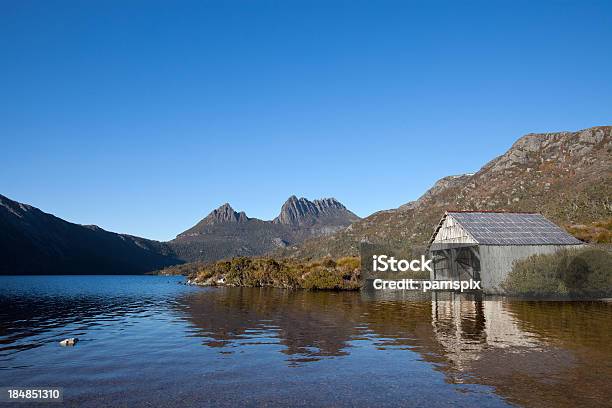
(225, 233)
(35, 242)
(301, 211)
(566, 176)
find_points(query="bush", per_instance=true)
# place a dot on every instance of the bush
(263, 272)
(567, 273)
(349, 263)
(598, 232)
(321, 278)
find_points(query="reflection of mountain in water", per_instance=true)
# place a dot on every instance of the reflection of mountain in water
(516, 347)
(534, 354)
(306, 323)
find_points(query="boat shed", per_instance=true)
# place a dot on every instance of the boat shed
(483, 245)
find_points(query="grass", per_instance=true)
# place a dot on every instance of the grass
(568, 273)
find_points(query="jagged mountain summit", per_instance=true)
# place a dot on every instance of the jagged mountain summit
(225, 233)
(225, 214)
(566, 176)
(33, 242)
(303, 212)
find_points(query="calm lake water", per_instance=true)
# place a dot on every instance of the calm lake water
(150, 341)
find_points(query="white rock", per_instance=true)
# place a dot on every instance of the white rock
(69, 342)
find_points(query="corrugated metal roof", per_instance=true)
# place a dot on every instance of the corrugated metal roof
(489, 228)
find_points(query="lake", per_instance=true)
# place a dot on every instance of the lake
(152, 341)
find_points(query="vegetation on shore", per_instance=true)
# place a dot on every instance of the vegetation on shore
(569, 274)
(342, 274)
(598, 232)
(185, 269)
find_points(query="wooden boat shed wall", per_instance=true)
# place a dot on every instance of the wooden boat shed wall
(484, 245)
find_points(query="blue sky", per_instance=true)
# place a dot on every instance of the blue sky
(141, 117)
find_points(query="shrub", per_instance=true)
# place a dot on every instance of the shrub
(259, 272)
(567, 273)
(349, 263)
(599, 232)
(322, 278)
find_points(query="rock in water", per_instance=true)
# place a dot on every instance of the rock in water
(69, 342)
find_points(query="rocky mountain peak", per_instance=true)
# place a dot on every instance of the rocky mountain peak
(534, 149)
(300, 211)
(225, 233)
(325, 203)
(225, 214)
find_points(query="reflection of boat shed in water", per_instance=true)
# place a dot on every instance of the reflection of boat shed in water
(483, 245)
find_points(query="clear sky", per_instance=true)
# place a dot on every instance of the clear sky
(141, 117)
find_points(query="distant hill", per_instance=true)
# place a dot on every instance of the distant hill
(225, 233)
(33, 242)
(567, 176)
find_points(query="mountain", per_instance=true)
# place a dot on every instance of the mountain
(222, 215)
(566, 176)
(34, 242)
(327, 212)
(225, 233)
